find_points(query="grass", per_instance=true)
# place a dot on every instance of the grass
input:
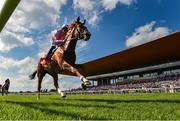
(92, 107)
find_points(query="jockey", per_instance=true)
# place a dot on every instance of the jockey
(57, 40)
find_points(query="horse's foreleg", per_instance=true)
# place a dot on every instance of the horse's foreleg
(6, 92)
(55, 77)
(72, 69)
(40, 74)
(2, 92)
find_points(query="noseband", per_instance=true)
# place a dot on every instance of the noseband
(80, 34)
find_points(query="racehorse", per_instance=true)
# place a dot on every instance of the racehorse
(0, 88)
(64, 58)
(5, 87)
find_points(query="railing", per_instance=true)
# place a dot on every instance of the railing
(126, 91)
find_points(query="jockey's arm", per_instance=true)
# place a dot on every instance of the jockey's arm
(57, 42)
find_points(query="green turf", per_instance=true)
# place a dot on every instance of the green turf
(81, 107)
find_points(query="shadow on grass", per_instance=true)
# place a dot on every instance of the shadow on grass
(126, 101)
(43, 107)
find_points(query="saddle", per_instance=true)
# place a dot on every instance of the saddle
(44, 61)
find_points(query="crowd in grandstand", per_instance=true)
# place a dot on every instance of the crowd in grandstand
(162, 81)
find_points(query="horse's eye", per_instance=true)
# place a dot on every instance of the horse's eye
(80, 26)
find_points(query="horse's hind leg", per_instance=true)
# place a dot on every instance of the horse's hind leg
(41, 73)
(70, 68)
(55, 77)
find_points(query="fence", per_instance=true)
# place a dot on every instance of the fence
(126, 91)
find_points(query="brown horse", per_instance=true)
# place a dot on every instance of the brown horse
(64, 57)
(0, 88)
(5, 87)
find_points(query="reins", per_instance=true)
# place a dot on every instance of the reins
(67, 40)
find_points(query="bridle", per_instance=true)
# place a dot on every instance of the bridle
(80, 34)
(71, 32)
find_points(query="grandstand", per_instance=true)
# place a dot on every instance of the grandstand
(151, 59)
(151, 66)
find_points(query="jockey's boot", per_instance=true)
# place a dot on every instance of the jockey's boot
(47, 59)
(50, 53)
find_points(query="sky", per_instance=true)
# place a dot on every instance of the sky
(115, 25)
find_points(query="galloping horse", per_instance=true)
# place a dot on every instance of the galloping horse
(0, 88)
(5, 87)
(64, 57)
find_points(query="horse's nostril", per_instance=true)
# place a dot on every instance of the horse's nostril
(88, 35)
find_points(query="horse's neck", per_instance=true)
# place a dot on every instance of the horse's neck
(72, 45)
(70, 55)
(6, 84)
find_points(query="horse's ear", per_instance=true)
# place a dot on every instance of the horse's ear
(84, 22)
(78, 19)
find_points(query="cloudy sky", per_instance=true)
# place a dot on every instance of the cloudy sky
(115, 26)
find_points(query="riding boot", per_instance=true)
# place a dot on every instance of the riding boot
(47, 59)
(50, 53)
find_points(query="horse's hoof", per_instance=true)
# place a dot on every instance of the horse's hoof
(64, 96)
(84, 86)
(87, 83)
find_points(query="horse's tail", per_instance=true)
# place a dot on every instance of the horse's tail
(32, 76)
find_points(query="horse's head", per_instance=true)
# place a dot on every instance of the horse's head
(80, 30)
(7, 81)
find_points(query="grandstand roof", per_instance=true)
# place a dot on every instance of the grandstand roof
(138, 70)
(159, 51)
